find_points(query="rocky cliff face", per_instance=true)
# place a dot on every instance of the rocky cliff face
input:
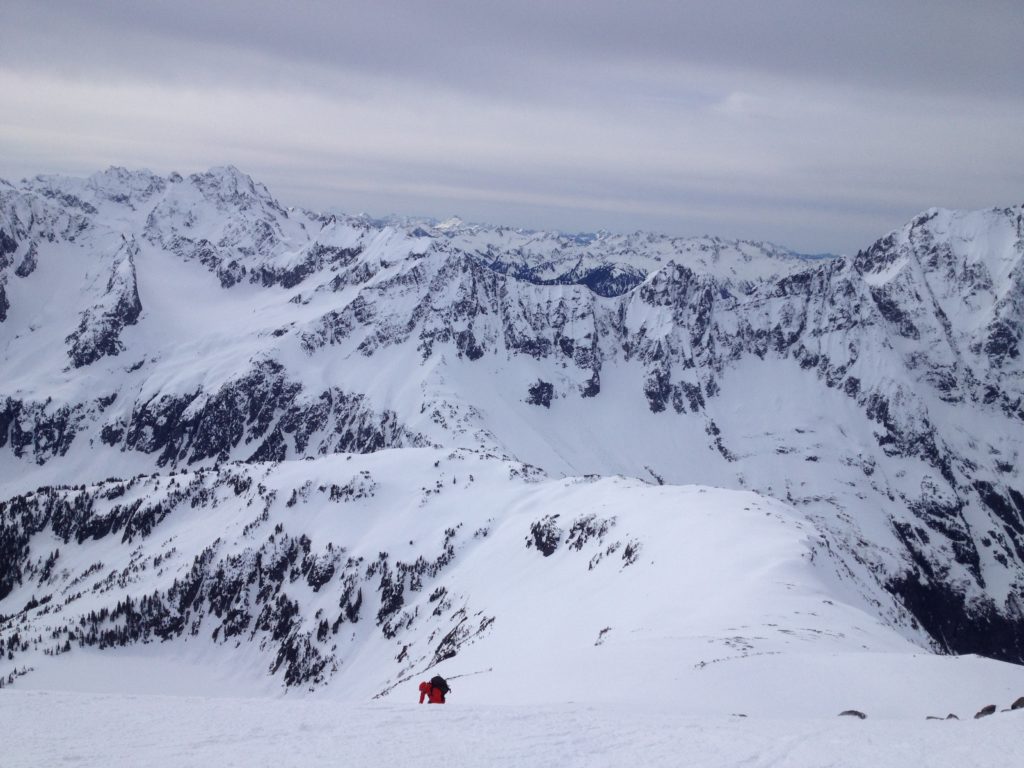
(201, 322)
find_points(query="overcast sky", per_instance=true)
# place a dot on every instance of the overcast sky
(817, 124)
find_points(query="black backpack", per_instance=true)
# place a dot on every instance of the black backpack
(441, 684)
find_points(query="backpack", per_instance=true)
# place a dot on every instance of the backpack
(441, 684)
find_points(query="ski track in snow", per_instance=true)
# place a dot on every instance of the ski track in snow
(97, 730)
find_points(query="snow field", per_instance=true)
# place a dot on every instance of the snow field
(86, 730)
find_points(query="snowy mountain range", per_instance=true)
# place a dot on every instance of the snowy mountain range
(324, 451)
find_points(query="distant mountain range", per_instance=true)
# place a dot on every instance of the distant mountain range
(354, 450)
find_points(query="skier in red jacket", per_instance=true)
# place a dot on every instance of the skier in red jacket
(432, 694)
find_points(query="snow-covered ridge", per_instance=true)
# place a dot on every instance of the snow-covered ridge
(407, 559)
(609, 263)
(153, 324)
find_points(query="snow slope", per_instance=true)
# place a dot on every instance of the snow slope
(722, 638)
(438, 558)
(158, 731)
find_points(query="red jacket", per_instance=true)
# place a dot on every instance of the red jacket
(431, 694)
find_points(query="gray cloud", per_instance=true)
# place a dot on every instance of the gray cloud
(940, 45)
(817, 124)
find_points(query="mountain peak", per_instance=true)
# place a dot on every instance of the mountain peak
(226, 177)
(120, 185)
(451, 223)
(228, 185)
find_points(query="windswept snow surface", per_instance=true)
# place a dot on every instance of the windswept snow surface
(48, 729)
